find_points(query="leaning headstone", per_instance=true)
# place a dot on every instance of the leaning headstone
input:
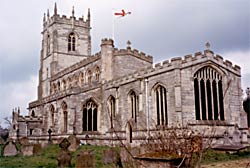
(64, 157)
(10, 149)
(27, 150)
(74, 143)
(86, 159)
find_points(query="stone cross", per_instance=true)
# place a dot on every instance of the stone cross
(49, 131)
(64, 157)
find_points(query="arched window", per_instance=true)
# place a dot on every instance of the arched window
(65, 117)
(97, 74)
(52, 114)
(64, 84)
(69, 81)
(111, 106)
(89, 76)
(81, 79)
(33, 113)
(133, 105)
(71, 42)
(54, 88)
(208, 92)
(58, 85)
(89, 116)
(161, 105)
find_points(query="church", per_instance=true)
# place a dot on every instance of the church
(120, 94)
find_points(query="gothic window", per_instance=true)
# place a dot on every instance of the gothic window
(69, 82)
(65, 117)
(81, 79)
(111, 106)
(208, 92)
(71, 42)
(97, 74)
(54, 88)
(48, 44)
(32, 113)
(89, 116)
(133, 105)
(75, 78)
(64, 84)
(58, 85)
(52, 114)
(161, 105)
(89, 76)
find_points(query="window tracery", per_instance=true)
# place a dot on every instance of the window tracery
(208, 92)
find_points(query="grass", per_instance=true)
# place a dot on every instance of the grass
(47, 158)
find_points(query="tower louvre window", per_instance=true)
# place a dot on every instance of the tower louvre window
(208, 93)
(71, 42)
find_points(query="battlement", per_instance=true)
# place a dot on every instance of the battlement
(107, 41)
(72, 20)
(174, 63)
(134, 52)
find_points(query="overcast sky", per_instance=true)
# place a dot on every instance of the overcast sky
(161, 28)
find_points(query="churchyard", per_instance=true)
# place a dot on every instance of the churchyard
(103, 156)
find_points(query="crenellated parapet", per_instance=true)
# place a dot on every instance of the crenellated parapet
(134, 52)
(72, 20)
(176, 63)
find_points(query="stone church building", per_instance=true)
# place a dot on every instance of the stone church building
(121, 91)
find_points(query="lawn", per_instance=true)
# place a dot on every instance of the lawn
(47, 158)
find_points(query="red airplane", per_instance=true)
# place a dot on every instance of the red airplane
(122, 13)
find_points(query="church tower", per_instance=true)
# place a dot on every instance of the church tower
(65, 41)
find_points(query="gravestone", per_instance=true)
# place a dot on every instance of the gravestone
(86, 159)
(10, 149)
(64, 157)
(27, 150)
(109, 156)
(24, 141)
(74, 143)
(236, 137)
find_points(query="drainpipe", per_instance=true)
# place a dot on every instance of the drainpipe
(147, 107)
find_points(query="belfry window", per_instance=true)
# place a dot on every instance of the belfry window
(71, 42)
(161, 105)
(89, 116)
(208, 92)
(133, 105)
(65, 117)
(111, 106)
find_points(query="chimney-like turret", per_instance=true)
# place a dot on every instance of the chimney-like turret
(107, 48)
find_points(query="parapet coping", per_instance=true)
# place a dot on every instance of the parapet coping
(175, 63)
